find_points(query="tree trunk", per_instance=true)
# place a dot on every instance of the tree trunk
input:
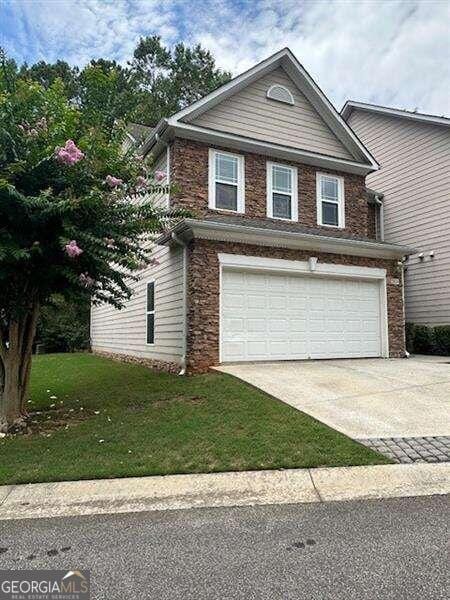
(15, 366)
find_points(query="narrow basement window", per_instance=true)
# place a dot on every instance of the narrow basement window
(151, 312)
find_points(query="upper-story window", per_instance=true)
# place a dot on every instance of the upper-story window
(330, 200)
(226, 181)
(282, 199)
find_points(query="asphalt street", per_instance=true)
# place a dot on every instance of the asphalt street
(348, 550)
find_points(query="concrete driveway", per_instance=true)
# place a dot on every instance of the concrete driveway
(363, 398)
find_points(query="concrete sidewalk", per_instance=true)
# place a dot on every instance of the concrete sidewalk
(246, 488)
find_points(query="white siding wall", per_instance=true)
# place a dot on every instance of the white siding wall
(251, 114)
(415, 179)
(124, 331)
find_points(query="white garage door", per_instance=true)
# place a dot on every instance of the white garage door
(266, 316)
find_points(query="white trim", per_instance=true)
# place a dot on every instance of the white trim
(220, 310)
(270, 190)
(307, 86)
(168, 175)
(285, 89)
(246, 234)
(212, 179)
(150, 312)
(350, 106)
(243, 261)
(340, 202)
(258, 263)
(241, 143)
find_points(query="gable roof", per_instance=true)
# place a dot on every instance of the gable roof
(363, 162)
(351, 105)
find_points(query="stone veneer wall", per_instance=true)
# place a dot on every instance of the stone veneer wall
(156, 365)
(203, 295)
(189, 171)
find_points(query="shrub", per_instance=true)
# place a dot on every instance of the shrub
(64, 326)
(442, 339)
(409, 335)
(422, 339)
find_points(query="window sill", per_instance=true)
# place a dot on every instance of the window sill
(227, 210)
(330, 226)
(282, 219)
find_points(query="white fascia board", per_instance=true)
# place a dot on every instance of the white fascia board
(350, 106)
(326, 110)
(240, 261)
(237, 142)
(287, 239)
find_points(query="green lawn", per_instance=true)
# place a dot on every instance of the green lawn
(152, 423)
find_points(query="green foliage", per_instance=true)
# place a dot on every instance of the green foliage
(157, 82)
(422, 339)
(409, 334)
(442, 339)
(44, 203)
(64, 326)
(170, 80)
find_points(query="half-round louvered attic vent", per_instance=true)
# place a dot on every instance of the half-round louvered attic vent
(280, 93)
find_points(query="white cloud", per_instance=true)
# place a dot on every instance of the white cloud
(394, 52)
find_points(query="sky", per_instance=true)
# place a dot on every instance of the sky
(389, 52)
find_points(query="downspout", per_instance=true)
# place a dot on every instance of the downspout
(402, 267)
(183, 244)
(380, 204)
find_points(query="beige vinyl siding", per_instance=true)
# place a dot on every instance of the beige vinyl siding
(415, 179)
(124, 331)
(251, 114)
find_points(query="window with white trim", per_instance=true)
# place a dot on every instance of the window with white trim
(330, 200)
(151, 312)
(226, 181)
(282, 198)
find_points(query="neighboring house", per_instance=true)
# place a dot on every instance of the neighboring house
(279, 260)
(413, 151)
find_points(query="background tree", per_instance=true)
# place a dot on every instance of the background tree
(168, 80)
(67, 225)
(155, 83)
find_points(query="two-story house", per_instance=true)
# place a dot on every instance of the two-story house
(279, 260)
(413, 151)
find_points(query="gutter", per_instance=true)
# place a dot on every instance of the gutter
(155, 136)
(179, 241)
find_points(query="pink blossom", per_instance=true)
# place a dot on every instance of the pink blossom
(109, 242)
(113, 181)
(69, 154)
(160, 175)
(72, 249)
(85, 280)
(141, 182)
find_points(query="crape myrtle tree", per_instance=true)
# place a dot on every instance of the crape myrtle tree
(67, 222)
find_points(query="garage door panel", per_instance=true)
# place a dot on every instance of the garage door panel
(257, 349)
(280, 317)
(256, 302)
